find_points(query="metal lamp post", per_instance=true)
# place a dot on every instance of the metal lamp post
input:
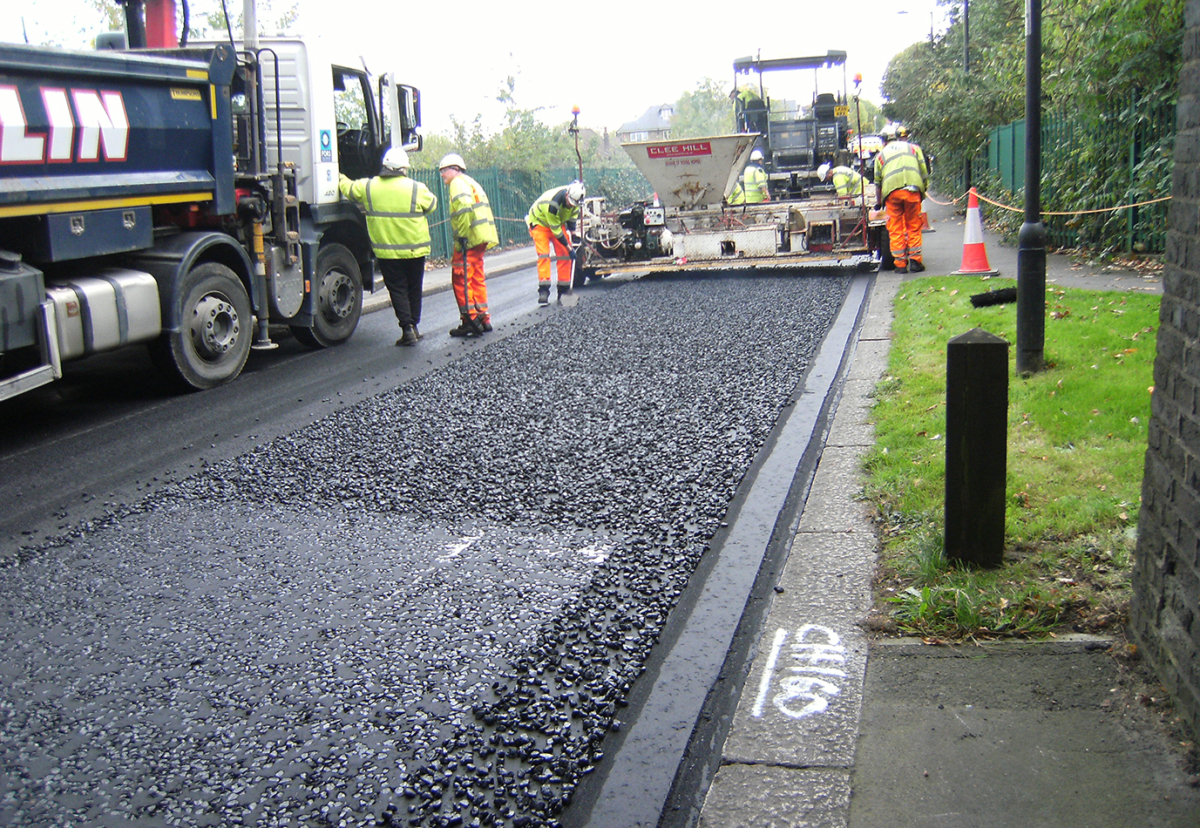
(1031, 241)
(967, 71)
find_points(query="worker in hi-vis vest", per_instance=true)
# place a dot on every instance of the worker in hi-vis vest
(901, 179)
(551, 221)
(474, 229)
(397, 208)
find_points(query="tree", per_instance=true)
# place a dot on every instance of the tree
(706, 110)
(1105, 63)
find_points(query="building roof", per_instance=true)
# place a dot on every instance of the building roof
(656, 118)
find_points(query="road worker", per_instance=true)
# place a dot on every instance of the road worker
(474, 229)
(846, 181)
(754, 180)
(749, 111)
(551, 221)
(397, 209)
(901, 179)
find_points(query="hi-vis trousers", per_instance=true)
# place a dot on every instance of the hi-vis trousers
(904, 224)
(550, 249)
(469, 283)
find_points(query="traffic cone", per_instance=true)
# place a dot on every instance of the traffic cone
(974, 260)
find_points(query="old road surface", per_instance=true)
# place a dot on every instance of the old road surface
(489, 582)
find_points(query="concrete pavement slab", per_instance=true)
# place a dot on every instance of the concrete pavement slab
(1009, 735)
(797, 797)
(831, 504)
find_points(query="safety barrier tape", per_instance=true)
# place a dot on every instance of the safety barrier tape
(1012, 209)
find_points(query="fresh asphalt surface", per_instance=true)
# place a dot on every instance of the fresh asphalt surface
(433, 598)
(830, 728)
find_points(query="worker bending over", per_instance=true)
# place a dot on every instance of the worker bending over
(551, 221)
(846, 181)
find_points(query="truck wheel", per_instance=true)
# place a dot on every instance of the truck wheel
(216, 327)
(339, 293)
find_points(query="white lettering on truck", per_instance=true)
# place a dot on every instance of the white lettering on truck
(99, 120)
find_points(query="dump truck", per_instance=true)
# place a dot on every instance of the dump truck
(689, 226)
(185, 198)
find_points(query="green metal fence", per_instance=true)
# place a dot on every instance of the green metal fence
(1123, 159)
(512, 193)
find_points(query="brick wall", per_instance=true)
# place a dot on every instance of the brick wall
(1166, 574)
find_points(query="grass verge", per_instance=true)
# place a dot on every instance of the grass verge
(1077, 435)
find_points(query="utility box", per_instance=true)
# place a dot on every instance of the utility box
(976, 447)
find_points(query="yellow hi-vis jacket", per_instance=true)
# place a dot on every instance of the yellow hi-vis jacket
(901, 165)
(756, 185)
(470, 213)
(846, 181)
(552, 211)
(396, 208)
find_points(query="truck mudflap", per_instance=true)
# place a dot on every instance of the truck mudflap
(29, 354)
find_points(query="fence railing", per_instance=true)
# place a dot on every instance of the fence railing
(1121, 160)
(512, 193)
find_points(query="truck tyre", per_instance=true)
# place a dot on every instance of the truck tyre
(215, 329)
(338, 289)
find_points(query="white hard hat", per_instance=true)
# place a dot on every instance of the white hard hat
(756, 155)
(452, 159)
(575, 192)
(395, 160)
(822, 171)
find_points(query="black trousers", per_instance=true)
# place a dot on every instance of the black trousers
(404, 280)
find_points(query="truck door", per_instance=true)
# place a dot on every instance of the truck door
(359, 149)
(400, 104)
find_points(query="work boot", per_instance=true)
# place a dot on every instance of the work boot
(485, 325)
(563, 290)
(902, 268)
(417, 331)
(469, 327)
(409, 337)
(543, 294)
(915, 267)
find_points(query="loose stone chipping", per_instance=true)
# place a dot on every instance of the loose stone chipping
(424, 610)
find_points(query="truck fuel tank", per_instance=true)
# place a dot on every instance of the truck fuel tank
(98, 313)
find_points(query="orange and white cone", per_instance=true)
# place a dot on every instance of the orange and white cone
(974, 260)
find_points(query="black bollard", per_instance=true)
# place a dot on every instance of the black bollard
(976, 447)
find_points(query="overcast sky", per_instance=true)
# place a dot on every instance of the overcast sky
(612, 58)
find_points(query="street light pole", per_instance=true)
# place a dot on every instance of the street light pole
(1031, 241)
(967, 72)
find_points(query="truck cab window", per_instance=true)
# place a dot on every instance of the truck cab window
(358, 149)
